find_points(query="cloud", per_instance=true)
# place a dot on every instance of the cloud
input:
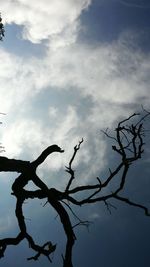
(108, 81)
(113, 77)
(92, 72)
(104, 72)
(45, 20)
(114, 73)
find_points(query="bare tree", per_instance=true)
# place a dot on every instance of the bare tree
(128, 142)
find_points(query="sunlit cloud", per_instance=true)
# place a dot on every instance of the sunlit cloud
(54, 20)
(111, 76)
(59, 83)
(114, 78)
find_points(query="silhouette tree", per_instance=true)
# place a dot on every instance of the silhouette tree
(127, 143)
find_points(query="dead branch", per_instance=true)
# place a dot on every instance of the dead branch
(128, 141)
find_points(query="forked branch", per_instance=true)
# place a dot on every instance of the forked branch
(128, 143)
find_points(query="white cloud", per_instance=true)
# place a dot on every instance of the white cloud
(31, 137)
(45, 19)
(102, 73)
(112, 75)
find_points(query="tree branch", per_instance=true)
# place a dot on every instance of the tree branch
(128, 145)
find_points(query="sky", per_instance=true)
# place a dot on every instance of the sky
(70, 69)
